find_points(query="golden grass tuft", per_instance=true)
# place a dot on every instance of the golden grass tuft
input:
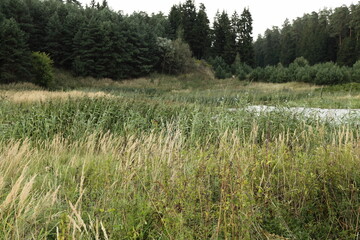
(43, 96)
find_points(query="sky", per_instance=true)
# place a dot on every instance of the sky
(265, 13)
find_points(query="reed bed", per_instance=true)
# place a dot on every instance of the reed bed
(142, 164)
(158, 186)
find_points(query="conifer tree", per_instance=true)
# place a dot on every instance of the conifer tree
(14, 53)
(175, 22)
(287, 44)
(224, 38)
(202, 37)
(245, 38)
(188, 11)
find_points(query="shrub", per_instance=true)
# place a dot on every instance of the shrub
(279, 74)
(176, 56)
(258, 74)
(42, 69)
(330, 73)
(221, 68)
(300, 62)
(355, 73)
(297, 68)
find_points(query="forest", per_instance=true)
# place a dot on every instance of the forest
(99, 42)
(96, 41)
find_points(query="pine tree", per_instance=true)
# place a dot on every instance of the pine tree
(14, 53)
(175, 22)
(246, 49)
(272, 46)
(347, 52)
(40, 16)
(54, 38)
(18, 10)
(288, 45)
(202, 37)
(224, 44)
(188, 11)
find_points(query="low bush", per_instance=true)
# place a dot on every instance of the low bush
(355, 73)
(324, 73)
(42, 69)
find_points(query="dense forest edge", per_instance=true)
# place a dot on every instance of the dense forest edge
(95, 41)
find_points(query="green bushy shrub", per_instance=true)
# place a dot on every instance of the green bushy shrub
(279, 74)
(176, 56)
(240, 69)
(42, 69)
(330, 73)
(221, 68)
(325, 73)
(355, 73)
(258, 74)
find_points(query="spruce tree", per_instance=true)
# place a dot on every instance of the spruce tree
(189, 15)
(14, 53)
(224, 38)
(202, 37)
(246, 49)
(54, 39)
(287, 44)
(175, 22)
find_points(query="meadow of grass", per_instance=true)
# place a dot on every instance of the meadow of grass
(164, 158)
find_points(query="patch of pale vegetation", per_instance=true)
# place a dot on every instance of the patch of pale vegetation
(43, 96)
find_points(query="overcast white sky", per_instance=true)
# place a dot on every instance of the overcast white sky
(265, 13)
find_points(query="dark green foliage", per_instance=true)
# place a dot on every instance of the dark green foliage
(329, 35)
(245, 41)
(221, 68)
(224, 42)
(240, 69)
(329, 73)
(99, 42)
(18, 10)
(42, 69)
(175, 22)
(192, 26)
(202, 40)
(300, 71)
(272, 46)
(355, 74)
(287, 44)
(347, 55)
(14, 53)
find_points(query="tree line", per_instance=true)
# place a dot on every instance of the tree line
(324, 36)
(96, 41)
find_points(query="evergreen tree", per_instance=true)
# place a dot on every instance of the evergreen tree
(54, 38)
(347, 52)
(287, 44)
(202, 37)
(175, 22)
(272, 47)
(40, 16)
(259, 51)
(189, 14)
(246, 49)
(224, 44)
(14, 53)
(18, 10)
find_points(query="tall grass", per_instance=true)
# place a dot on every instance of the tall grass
(77, 118)
(149, 165)
(157, 186)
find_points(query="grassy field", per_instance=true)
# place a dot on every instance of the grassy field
(164, 158)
